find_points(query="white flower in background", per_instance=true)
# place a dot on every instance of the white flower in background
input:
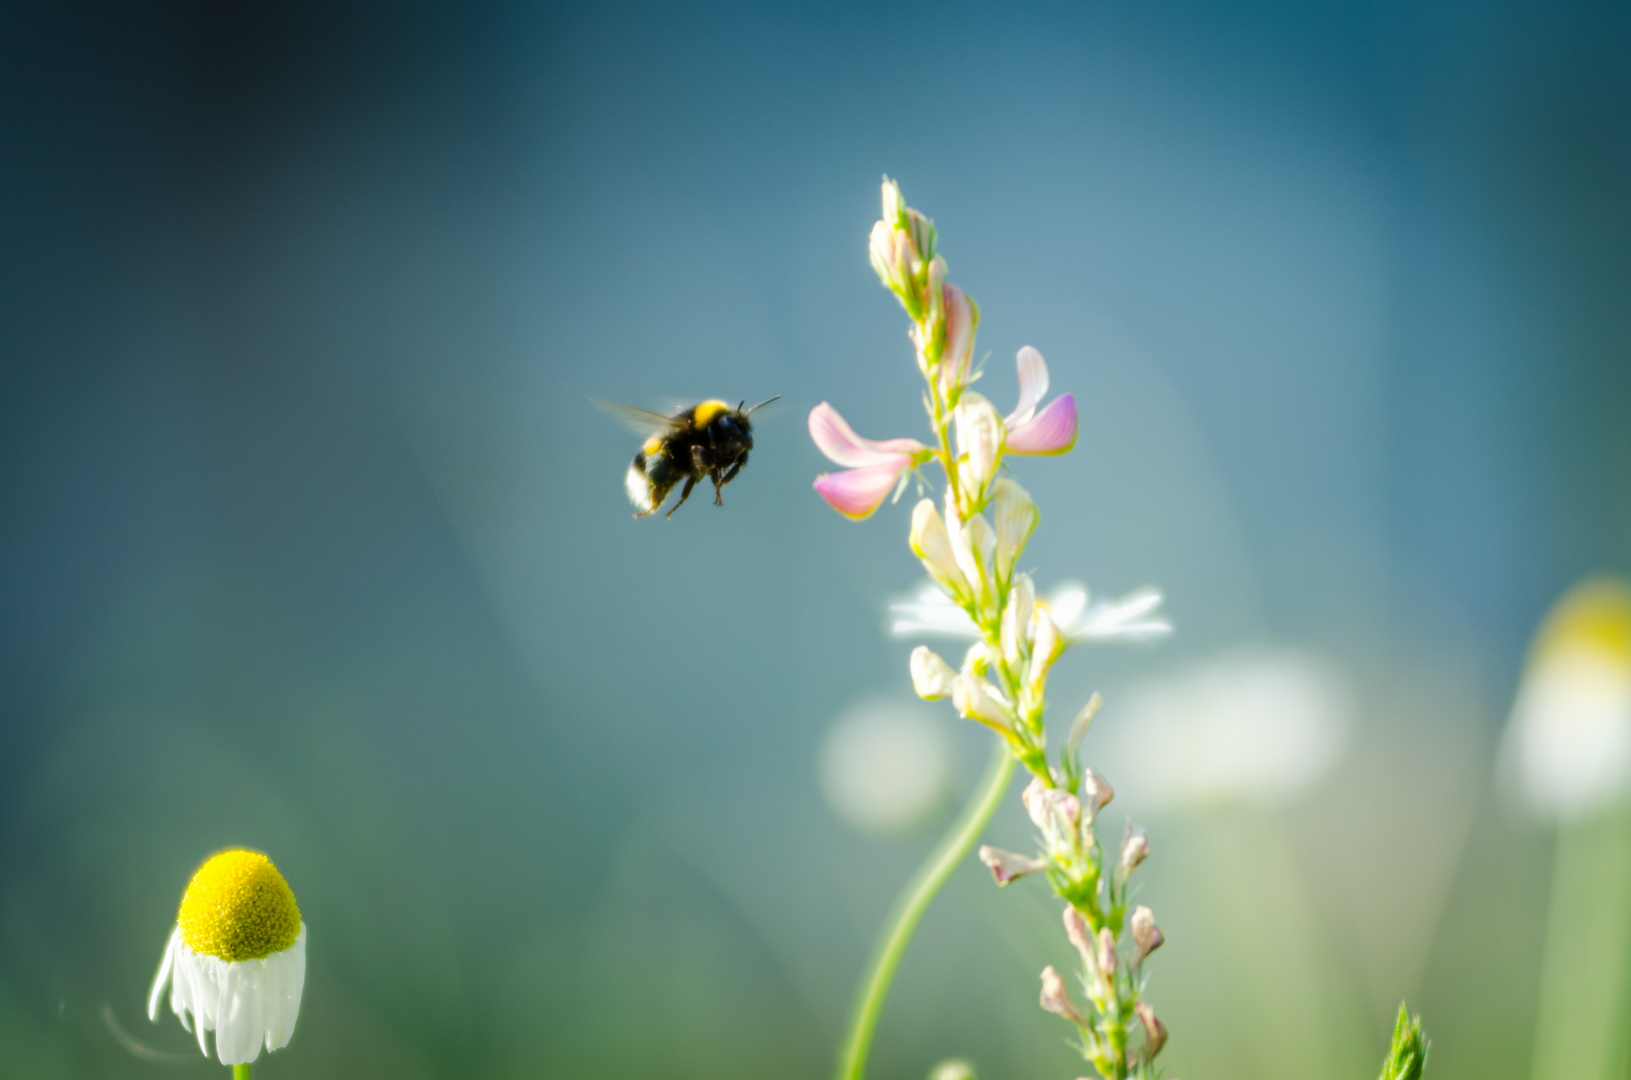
(1134, 617)
(1569, 739)
(886, 766)
(1256, 727)
(236, 960)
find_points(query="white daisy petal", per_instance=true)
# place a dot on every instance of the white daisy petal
(239, 1031)
(203, 1017)
(181, 997)
(1065, 605)
(286, 973)
(1123, 619)
(163, 976)
(272, 998)
(931, 613)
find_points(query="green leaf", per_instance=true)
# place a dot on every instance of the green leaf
(1407, 1057)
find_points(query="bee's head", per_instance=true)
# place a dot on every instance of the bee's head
(735, 429)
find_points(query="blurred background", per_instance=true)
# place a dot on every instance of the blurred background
(310, 541)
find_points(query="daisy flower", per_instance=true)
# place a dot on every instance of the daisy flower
(1569, 738)
(929, 612)
(236, 960)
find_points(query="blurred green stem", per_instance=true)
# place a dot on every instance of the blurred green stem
(913, 902)
(1580, 1028)
(240, 1072)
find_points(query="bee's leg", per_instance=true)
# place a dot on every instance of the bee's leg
(685, 493)
(721, 480)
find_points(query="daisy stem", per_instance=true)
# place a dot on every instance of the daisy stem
(913, 902)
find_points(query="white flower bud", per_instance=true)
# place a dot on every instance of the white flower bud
(978, 659)
(1055, 998)
(1081, 937)
(979, 443)
(982, 545)
(1057, 813)
(1134, 850)
(921, 231)
(1016, 515)
(1047, 645)
(1035, 798)
(880, 248)
(1005, 866)
(893, 204)
(962, 318)
(932, 677)
(1146, 935)
(1155, 1033)
(972, 547)
(1106, 957)
(1078, 729)
(891, 254)
(934, 293)
(932, 543)
(1096, 791)
(1016, 621)
(977, 699)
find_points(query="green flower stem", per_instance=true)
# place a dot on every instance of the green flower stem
(914, 901)
(240, 1072)
(1581, 1031)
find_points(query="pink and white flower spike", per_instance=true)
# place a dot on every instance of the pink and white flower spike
(873, 467)
(1051, 430)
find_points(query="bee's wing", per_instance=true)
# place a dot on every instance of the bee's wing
(639, 421)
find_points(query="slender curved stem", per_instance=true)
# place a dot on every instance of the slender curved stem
(913, 902)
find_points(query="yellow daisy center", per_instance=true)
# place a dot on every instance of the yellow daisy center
(238, 907)
(1595, 616)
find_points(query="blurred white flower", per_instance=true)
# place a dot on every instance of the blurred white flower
(886, 765)
(1133, 617)
(1569, 739)
(1255, 727)
(930, 613)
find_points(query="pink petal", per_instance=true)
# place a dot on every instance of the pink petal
(1033, 386)
(1051, 431)
(834, 438)
(960, 322)
(856, 493)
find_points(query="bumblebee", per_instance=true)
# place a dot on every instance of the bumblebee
(709, 439)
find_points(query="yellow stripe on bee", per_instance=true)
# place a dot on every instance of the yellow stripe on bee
(705, 413)
(651, 445)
